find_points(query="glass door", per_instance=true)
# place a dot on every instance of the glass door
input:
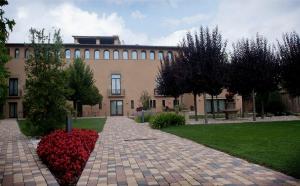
(116, 108)
(13, 110)
(116, 84)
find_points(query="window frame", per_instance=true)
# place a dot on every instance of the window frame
(98, 51)
(152, 52)
(118, 57)
(13, 91)
(69, 54)
(143, 52)
(104, 56)
(75, 54)
(125, 51)
(136, 55)
(17, 53)
(89, 54)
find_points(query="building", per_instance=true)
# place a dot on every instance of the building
(122, 72)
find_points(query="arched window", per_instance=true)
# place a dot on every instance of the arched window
(143, 54)
(87, 54)
(17, 53)
(77, 53)
(134, 55)
(116, 54)
(152, 55)
(106, 54)
(160, 55)
(26, 53)
(97, 54)
(170, 56)
(125, 54)
(68, 54)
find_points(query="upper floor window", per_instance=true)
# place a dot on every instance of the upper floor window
(134, 55)
(170, 56)
(116, 54)
(143, 54)
(97, 54)
(68, 54)
(106, 54)
(77, 53)
(125, 55)
(152, 55)
(26, 53)
(13, 87)
(87, 54)
(116, 84)
(160, 55)
(17, 53)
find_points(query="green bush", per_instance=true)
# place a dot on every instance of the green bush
(147, 118)
(166, 119)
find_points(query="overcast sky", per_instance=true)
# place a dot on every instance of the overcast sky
(154, 22)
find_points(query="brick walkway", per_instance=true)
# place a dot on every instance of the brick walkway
(129, 154)
(19, 163)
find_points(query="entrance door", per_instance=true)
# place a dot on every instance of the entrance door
(13, 110)
(116, 108)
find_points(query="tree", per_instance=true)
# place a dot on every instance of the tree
(168, 79)
(199, 55)
(81, 82)
(289, 51)
(214, 64)
(254, 69)
(45, 84)
(145, 99)
(6, 25)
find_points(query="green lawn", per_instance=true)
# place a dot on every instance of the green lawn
(96, 124)
(273, 144)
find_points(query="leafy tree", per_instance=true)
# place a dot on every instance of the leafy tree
(81, 82)
(214, 64)
(289, 51)
(145, 100)
(6, 25)
(45, 84)
(201, 59)
(254, 69)
(168, 79)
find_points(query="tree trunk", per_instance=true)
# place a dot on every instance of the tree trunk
(262, 109)
(253, 103)
(212, 106)
(176, 105)
(218, 104)
(243, 106)
(205, 114)
(195, 106)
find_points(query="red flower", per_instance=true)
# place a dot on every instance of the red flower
(66, 154)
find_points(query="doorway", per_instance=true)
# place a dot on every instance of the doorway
(116, 108)
(13, 110)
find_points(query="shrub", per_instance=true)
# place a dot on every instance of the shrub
(147, 118)
(166, 119)
(65, 154)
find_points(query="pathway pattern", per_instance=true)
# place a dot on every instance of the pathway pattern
(133, 154)
(19, 163)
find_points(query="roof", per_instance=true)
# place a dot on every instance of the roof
(73, 45)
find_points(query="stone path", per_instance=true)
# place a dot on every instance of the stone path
(19, 163)
(133, 154)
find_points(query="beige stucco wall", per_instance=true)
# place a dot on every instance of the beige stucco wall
(136, 76)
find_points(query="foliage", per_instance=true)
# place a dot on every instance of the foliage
(274, 104)
(289, 51)
(147, 117)
(45, 84)
(201, 59)
(166, 119)
(6, 25)
(168, 80)
(254, 68)
(272, 144)
(66, 154)
(145, 100)
(81, 82)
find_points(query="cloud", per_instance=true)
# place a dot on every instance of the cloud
(189, 20)
(237, 19)
(72, 21)
(137, 15)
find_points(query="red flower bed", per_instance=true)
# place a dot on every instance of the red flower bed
(66, 154)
